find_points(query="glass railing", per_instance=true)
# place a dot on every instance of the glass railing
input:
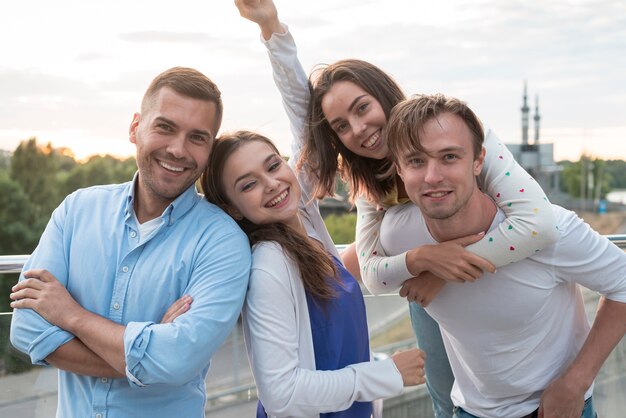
(230, 387)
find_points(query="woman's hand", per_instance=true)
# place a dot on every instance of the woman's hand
(449, 260)
(410, 364)
(422, 289)
(263, 13)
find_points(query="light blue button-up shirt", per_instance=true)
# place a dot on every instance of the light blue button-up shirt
(91, 245)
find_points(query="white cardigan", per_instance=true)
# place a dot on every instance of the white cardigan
(279, 342)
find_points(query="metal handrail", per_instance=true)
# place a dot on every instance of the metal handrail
(14, 263)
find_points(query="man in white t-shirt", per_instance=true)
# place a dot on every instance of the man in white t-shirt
(518, 340)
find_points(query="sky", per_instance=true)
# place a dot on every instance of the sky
(73, 72)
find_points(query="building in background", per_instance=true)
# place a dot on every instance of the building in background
(536, 158)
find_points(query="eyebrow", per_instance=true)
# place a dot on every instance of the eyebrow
(354, 102)
(174, 124)
(415, 153)
(268, 159)
(450, 149)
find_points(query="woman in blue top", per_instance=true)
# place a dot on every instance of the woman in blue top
(304, 316)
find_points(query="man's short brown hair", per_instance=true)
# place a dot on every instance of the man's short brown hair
(186, 82)
(408, 118)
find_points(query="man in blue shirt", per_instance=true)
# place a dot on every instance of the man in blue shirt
(117, 256)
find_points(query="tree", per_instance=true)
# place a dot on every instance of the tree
(341, 227)
(34, 168)
(99, 170)
(5, 160)
(17, 236)
(587, 178)
(617, 170)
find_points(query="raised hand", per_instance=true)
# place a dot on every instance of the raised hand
(261, 12)
(449, 260)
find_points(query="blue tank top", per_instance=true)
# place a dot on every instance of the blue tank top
(340, 335)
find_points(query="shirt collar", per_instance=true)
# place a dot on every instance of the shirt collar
(174, 211)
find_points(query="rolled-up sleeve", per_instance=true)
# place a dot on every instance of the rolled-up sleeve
(174, 353)
(30, 333)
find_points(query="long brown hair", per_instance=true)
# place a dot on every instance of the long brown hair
(315, 264)
(324, 154)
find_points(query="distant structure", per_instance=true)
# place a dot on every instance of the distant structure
(536, 158)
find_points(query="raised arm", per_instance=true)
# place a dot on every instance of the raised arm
(288, 74)
(275, 325)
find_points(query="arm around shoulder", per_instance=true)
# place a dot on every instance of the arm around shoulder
(530, 224)
(380, 273)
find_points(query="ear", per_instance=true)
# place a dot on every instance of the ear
(479, 162)
(398, 170)
(134, 125)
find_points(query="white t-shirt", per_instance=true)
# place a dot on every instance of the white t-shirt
(510, 334)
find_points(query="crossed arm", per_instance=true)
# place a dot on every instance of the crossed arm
(98, 349)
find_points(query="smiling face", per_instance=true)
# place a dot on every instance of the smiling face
(357, 118)
(442, 179)
(173, 140)
(260, 186)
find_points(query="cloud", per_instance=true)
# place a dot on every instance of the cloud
(151, 36)
(88, 56)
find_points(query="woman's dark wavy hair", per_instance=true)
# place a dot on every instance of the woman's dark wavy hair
(324, 155)
(315, 265)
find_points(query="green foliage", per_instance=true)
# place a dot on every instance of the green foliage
(587, 178)
(33, 181)
(34, 168)
(341, 227)
(617, 170)
(18, 222)
(99, 170)
(5, 160)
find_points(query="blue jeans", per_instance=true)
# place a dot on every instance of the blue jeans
(588, 411)
(439, 377)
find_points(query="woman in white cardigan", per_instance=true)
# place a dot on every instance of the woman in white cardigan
(304, 316)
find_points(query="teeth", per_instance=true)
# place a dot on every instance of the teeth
(372, 140)
(278, 199)
(171, 167)
(437, 194)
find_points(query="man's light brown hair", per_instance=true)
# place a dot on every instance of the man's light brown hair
(408, 118)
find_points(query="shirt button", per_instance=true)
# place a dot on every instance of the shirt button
(98, 415)
(104, 380)
(125, 269)
(116, 306)
(133, 234)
